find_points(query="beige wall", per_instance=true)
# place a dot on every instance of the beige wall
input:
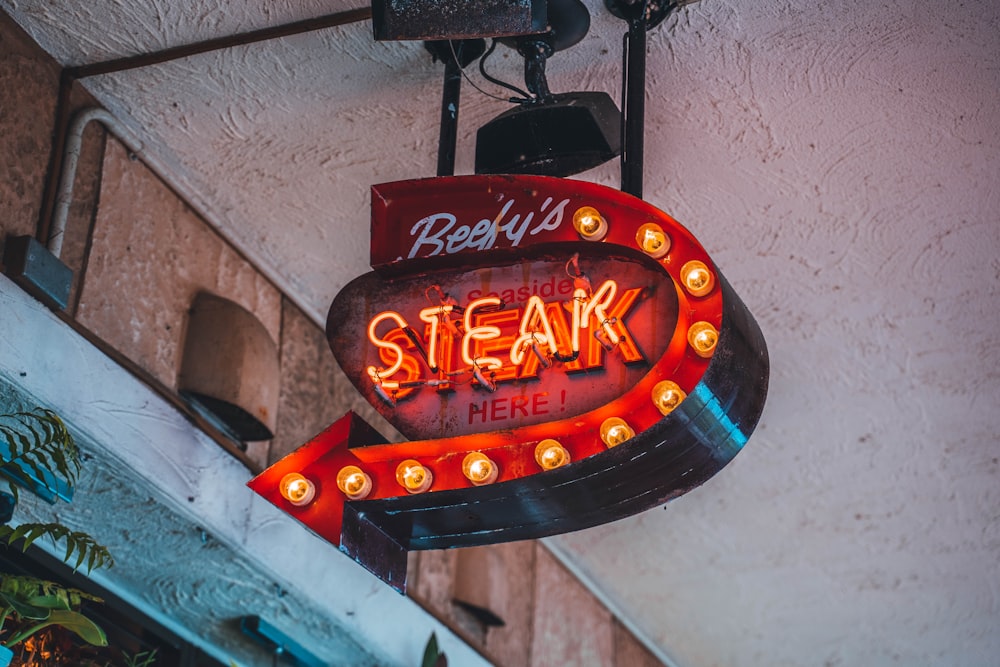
(140, 254)
(30, 85)
(150, 254)
(550, 619)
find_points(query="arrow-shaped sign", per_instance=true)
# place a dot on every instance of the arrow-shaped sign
(454, 328)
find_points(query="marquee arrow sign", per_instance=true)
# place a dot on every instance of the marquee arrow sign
(559, 353)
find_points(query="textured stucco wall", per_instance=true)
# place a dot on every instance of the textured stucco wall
(550, 618)
(314, 391)
(27, 116)
(841, 163)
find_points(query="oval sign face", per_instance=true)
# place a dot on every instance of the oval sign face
(412, 346)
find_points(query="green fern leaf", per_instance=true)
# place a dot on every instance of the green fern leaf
(17, 533)
(86, 548)
(40, 443)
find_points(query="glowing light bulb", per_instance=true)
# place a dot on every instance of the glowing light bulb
(479, 469)
(653, 240)
(354, 483)
(702, 337)
(697, 278)
(413, 477)
(296, 489)
(667, 395)
(549, 454)
(614, 431)
(589, 223)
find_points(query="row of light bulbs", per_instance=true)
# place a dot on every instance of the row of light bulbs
(652, 240)
(696, 278)
(478, 468)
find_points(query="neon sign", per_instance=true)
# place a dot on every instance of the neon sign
(535, 332)
(456, 351)
(558, 353)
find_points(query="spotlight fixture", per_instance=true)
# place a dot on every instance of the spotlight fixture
(551, 134)
(560, 135)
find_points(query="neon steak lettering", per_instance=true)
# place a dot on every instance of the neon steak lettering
(526, 337)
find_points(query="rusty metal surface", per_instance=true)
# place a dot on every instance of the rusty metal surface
(456, 19)
(370, 546)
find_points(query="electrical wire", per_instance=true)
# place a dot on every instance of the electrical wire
(482, 70)
(512, 100)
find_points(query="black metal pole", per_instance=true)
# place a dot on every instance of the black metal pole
(455, 55)
(634, 84)
(448, 137)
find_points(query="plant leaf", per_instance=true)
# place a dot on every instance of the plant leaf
(23, 609)
(50, 602)
(88, 631)
(40, 442)
(432, 655)
(86, 548)
(18, 532)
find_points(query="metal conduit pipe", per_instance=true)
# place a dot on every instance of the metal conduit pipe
(71, 158)
(186, 192)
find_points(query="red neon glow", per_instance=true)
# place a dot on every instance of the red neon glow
(541, 329)
(379, 375)
(480, 333)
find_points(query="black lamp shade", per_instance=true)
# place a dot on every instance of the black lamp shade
(570, 133)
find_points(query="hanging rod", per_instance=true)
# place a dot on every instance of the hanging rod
(219, 43)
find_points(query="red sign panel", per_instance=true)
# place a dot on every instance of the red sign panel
(407, 344)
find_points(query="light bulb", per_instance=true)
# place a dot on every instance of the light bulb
(697, 278)
(413, 477)
(549, 454)
(589, 223)
(702, 337)
(653, 240)
(296, 489)
(354, 483)
(614, 431)
(479, 469)
(667, 395)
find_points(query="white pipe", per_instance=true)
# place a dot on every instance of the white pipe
(71, 158)
(187, 193)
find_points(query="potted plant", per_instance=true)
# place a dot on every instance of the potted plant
(38, 442)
